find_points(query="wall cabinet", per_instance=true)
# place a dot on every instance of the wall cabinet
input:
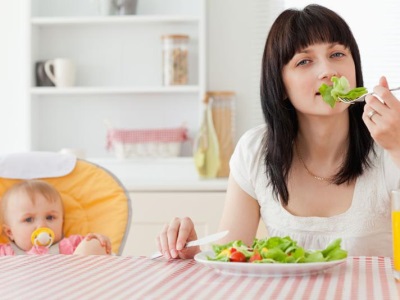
(119, 72)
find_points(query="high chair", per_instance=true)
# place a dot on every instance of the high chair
(94, 199)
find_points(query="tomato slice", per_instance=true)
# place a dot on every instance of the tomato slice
(255, 256)
(237, 256)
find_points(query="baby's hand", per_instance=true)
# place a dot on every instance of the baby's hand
(104, 240)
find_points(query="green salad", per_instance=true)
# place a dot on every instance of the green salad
(340, 88)
(276, 250)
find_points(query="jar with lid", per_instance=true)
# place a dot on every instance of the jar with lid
(175, 59)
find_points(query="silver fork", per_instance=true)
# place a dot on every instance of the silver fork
(361, 98)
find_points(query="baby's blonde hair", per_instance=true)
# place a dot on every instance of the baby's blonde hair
(31, 188)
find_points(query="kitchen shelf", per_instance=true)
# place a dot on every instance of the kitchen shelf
(119, 72)
(114, 90)
(52, 21)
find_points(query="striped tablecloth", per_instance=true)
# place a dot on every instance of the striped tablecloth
(113, 277)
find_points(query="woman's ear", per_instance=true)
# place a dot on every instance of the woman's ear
(8, 232)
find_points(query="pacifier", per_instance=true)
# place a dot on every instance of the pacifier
(42, 237)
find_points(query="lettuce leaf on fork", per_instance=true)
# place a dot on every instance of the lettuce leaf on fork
(340, 88)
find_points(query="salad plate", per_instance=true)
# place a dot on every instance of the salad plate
(265, 269)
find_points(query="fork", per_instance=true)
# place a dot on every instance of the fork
(361, 98)
(202, 241)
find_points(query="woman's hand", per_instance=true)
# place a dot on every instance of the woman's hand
(104, 240)
(384, 124)
(172, 239)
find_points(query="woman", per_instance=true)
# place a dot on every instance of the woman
(312, 172)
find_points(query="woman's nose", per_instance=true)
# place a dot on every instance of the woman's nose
(327, 71)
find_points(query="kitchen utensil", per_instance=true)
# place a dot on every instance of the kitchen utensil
(63, 74)
(361, 98)
(41, 78)
(203, 241)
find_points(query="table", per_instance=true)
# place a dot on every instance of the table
(117, 277)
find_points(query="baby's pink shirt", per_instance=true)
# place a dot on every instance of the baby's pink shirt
(66, 246)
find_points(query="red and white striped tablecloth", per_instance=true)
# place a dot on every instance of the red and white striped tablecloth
(113, 277)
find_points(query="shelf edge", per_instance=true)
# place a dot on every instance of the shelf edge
(116, 90)
(98, 20)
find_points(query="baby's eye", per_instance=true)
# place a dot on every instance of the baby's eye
(50, 218)
(28, 220)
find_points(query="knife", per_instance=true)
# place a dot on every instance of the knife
(203, 241)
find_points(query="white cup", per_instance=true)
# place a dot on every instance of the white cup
(79, 153)
(64, 71)
(106, 7)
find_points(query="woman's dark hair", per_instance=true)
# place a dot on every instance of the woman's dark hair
(292, 31)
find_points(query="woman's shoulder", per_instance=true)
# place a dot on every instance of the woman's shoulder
(250, 143)
(246, 161)
(252, 138)
(254, 134)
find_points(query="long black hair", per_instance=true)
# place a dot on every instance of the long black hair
(292, 31)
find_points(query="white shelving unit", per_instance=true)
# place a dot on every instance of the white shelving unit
(119, 72)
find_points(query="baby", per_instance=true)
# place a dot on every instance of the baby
(33, 204)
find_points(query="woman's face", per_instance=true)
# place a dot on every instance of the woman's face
(312, 66)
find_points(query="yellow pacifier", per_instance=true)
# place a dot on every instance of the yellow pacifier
(42, 237)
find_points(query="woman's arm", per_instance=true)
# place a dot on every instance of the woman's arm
(241, 215)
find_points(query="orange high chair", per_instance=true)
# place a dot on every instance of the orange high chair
(94, 199)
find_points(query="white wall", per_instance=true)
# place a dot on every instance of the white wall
(14, 117)
(230, 55)
(236, 35)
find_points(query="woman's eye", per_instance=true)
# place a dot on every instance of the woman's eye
(337, 54)
(303, 62)
(29, 220)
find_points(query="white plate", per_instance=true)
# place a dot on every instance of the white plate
(265, 270)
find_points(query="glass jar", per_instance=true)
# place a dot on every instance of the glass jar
(175, 59)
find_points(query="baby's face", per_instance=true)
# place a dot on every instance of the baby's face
(23, 217)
